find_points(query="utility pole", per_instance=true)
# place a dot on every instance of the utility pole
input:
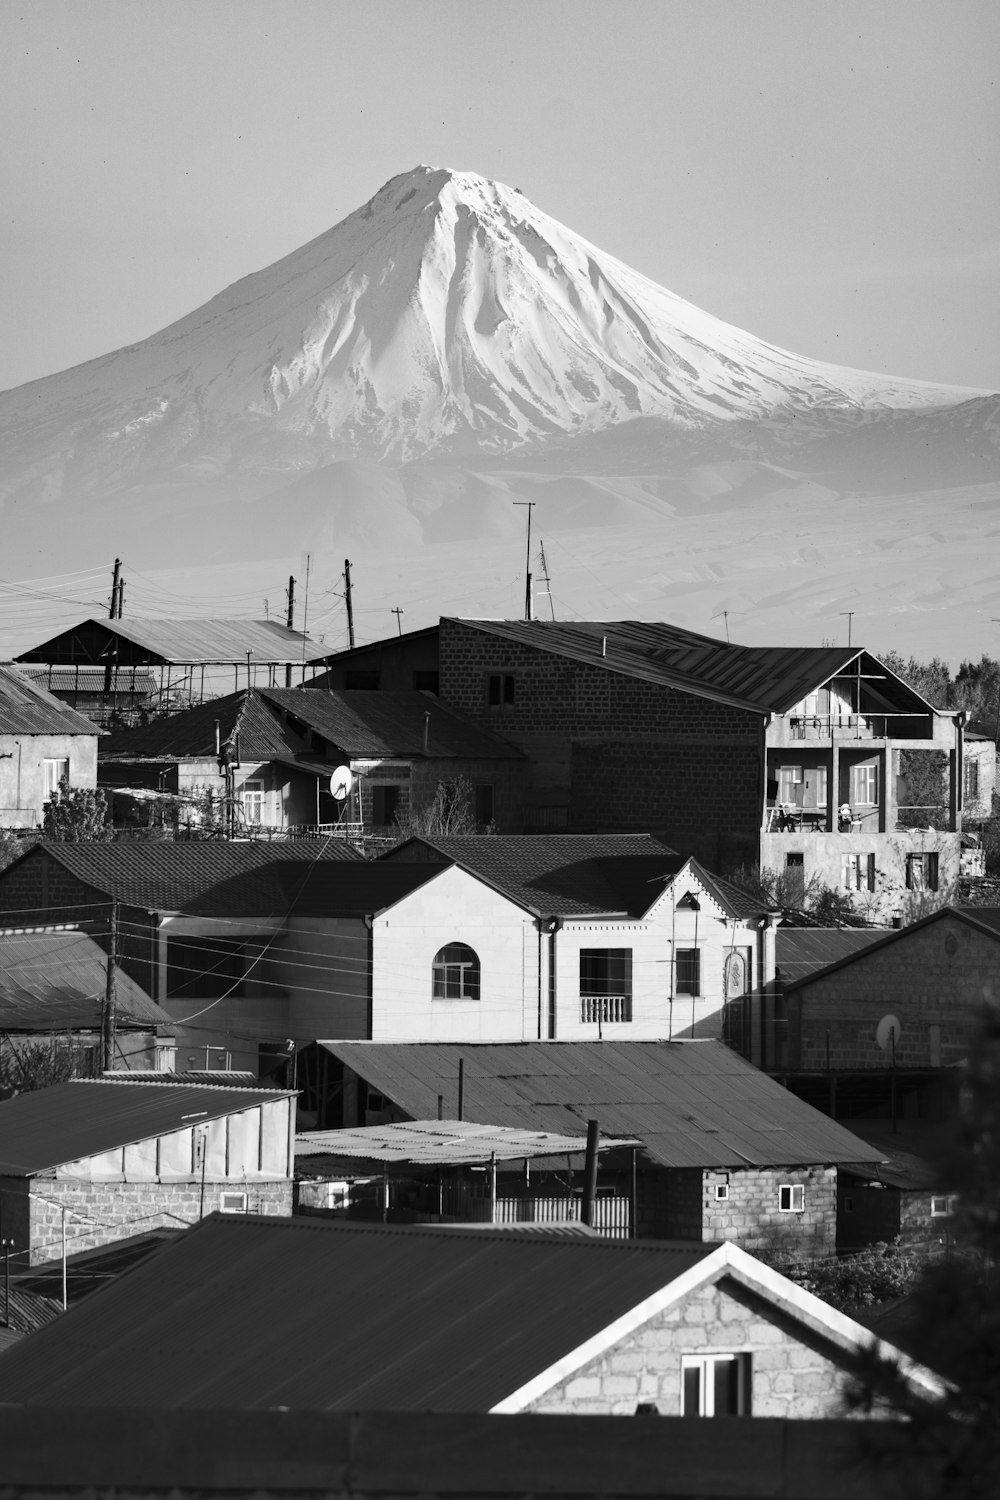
(530, 504)
(115, 612)
(399, 613)
(347, 600)
(108, 1027)
(290, 623)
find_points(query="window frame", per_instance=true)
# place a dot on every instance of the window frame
(605, 977)
(929, 864)
(705, 1365)
(683, 986)
(501, 691)
(50, 785)
(948, 1199)
(867, 775)
(252, 795)
(796, 1198)
(855, 875)
(461, 975)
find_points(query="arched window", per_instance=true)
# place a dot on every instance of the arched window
(455, 972)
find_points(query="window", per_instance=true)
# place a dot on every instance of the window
(500, 690)
(688, 971)
(53, 773)
(943, 1206)
(426, 681)
(791, 1198)
(482, 803)
(455, 973)
(857, 872)
(795, 872)
(864, 786)
(970, 780)
(385, 802)
(790, 785)
(232, 1203)
(361, 680)
(715, 1385)
(605, 985)
(921, 872)
(252, 793)
(722, 1192)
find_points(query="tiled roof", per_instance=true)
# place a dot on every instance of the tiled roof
(68, 1121)
(567, 874)
(325, 889)
(391, 723)
(168, 876)
(359, 1317)
(27, 708)
(151, 642)
(765, 678)
(51, 981)
(692, 1104)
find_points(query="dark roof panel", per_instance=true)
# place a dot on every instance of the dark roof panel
(360, 1317)
(391, 723)
(152, 642)
(28, 708)
(800, 951)
(693, 1104)
(68, 1121)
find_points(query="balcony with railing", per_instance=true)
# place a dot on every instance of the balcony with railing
(605, 1010)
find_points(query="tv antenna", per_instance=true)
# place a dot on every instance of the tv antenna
(725, 615)
(545, 575)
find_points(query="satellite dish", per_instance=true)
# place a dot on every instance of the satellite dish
(341, 782)
(887, 1031)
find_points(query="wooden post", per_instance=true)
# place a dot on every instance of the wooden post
(590, 1173)
(108, 1027)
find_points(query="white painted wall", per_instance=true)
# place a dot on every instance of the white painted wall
(21, 772)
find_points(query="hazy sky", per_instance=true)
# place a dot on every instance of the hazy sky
(823, 174)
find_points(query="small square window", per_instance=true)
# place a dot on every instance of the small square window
(791, 1198)
(715, 1385)
(500, 690)
(943, 1205)
(232, 1203)
(721, 1192)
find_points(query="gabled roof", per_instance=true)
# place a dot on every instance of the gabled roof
(692, 1104)
(765, 678)
(981, 919)
(68, 1121)
(800, 951)
(169, 876)
(152, 642)
(275, 723)
(329, 888)
(576, 874)
(391, 723)
(364, 1317)
(54, 981)
(27, 708)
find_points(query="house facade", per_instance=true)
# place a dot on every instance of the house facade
(42, 744)
(95, 1161)
(818, 763)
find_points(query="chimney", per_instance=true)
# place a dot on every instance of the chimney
(768, 957)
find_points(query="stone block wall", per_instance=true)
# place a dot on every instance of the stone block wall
(100, 1213)
(935, 979)
(790, 1376)
(616, 753)
(751, 1215)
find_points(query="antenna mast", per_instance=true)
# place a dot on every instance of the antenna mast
(347, 600)
(290, 623)
(530, 504)
(548, 580)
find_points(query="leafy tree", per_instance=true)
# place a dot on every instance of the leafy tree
(31, 1063)
(450, 813)
(11, 848)
(77, 815)
(954, 1450)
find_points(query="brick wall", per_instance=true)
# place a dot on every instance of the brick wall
(99, 1213)
(788, 1376)
(938, 976)
(617, 753)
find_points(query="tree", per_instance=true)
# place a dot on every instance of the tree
(78, 815)
(449, 814)
(954, 1450)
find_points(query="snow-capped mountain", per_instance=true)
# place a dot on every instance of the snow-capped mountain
(445, 349)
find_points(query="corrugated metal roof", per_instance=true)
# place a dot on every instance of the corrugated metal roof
(359, 1317)
(565, 874)
(441, 1143)
(54, 981)
(191, 734)
(152, 642)
(27, 708)
(804, 950)
(764, 678)
(391, 723)
(692, 1104)
(169, 876)
(985, 919)
(89, 680)
(68, 1121)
